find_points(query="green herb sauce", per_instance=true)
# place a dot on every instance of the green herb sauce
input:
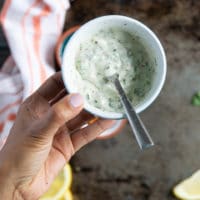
(108, 52)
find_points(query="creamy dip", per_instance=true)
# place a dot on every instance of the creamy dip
(108, 52)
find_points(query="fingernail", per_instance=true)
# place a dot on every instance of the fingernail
(76, 100)
(110, 123)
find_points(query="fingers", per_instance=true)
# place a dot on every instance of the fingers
(86, 135)
(64, 110)
(79, 120)
(51, 87)
(59, 96)
(49, 93)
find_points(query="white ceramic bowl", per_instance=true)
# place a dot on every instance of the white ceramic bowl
(134, 27)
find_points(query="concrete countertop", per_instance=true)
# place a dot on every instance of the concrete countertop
(121, 170)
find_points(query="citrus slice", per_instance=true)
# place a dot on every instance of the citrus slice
(67, 195)
(60, 185)
(189, 189)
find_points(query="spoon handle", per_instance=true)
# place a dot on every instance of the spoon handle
(142, 136)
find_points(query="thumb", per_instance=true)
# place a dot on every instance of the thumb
(64, 110)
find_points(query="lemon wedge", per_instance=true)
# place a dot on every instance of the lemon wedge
(60, 185)
(67, 195)
(189, 189)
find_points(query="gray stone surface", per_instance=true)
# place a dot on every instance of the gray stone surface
(116, 169)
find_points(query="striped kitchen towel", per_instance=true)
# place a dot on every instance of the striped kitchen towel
(32, 28)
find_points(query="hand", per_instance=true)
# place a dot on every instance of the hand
(44, 137)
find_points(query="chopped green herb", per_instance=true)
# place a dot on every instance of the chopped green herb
(124, 80)
(119, 106)
(88, 96)
(196, 99)
(105, 79)
(138, 92)
(114, 50)
(130, 53)
(110, 102)
(138, 76)
(155, 61)
(78, 62)
(148, 82)
(134, 78)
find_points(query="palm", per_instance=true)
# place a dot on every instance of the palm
(49, 162)
(55, 161)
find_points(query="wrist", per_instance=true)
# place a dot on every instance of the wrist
(6, 187)
(7, 183)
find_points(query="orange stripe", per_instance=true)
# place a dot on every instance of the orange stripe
(5, 10)
(1, 126)
(10, 105)
(4, 13)
(37, 39)
(12, 117)
(25, 43)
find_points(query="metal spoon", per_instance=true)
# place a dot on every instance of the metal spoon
(142, 136)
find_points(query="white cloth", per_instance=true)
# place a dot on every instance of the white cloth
(32, 28)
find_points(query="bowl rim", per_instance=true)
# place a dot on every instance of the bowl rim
(60, 41)
(143, 106)
(121, 124)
